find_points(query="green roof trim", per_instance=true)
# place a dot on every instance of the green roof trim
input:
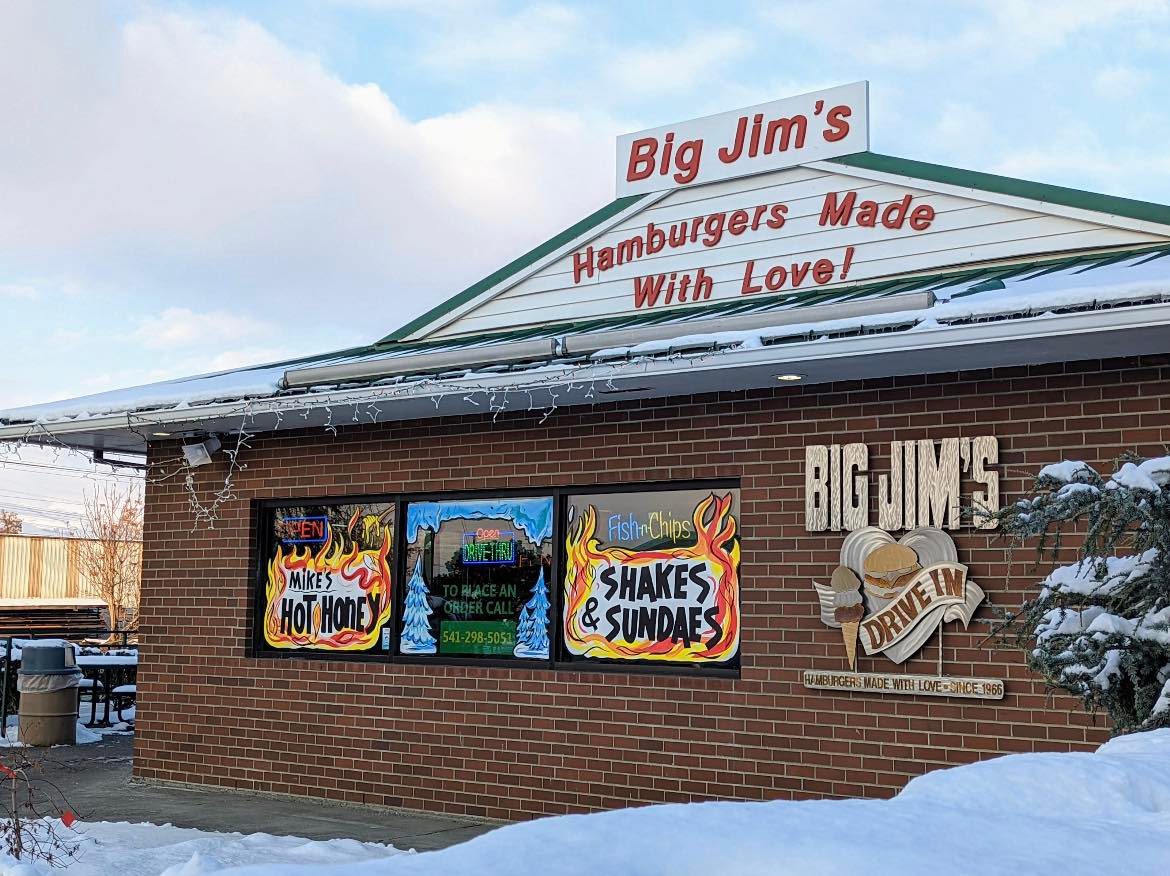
(877, 288)
(939, 173)
(1006, 185)
(533, 255)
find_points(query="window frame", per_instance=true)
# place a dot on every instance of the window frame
(263, 538)
(261, 544)
(401, 581)
(592, 664)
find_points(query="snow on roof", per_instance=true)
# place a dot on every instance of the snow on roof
(257, 381)
(996, 292)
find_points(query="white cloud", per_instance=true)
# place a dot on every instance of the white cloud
(986, 35)
(1120, 81)
(200, 156)
(19, 290)
(677, 68)
(465, 38)
(183, 327)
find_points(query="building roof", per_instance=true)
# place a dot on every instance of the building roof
(918, 170)
(1097, 302)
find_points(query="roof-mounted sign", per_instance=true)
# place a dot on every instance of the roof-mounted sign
(783, 133)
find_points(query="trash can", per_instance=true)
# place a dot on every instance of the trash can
(48, 681)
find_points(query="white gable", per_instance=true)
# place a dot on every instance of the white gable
(781, 232)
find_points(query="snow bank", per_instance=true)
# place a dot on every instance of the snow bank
(1090, 813)
(11, 737)
(104, 848)
(1104, 812)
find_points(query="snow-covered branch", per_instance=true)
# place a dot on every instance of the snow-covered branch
(1100, 626)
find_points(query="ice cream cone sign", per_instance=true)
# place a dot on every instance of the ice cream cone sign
(891, 595)
(848, 609)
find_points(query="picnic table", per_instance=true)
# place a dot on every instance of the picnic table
(97, 667)
(103, 664)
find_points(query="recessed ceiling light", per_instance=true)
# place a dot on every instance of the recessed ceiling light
(789, 377)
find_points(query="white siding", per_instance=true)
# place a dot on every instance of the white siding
(963, 231)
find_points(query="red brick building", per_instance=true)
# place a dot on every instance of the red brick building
(578, 538)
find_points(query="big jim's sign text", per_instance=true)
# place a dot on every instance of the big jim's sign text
(783, 133)
(768, 137)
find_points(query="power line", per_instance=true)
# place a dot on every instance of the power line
(66, 471)
(9, 493)
(40, 512)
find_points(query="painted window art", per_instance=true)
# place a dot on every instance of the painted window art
(326, 581)
(477, 578)
(653, 576)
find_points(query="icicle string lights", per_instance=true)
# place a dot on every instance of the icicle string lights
(367, 405)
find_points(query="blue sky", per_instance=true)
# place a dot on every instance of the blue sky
(191, 186)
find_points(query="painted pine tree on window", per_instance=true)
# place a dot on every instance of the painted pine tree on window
(532, 630)
(416, 629)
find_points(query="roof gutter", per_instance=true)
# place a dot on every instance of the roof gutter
(585, 343)
(421, 363)
(594, 342)
(940, 339)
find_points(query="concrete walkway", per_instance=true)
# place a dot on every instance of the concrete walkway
(95, 780)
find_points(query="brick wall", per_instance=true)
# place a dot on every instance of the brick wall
(518, 743)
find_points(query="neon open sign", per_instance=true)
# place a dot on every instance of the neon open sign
(303, 530)
(489, 547)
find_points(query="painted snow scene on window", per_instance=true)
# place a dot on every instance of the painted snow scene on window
(477, 578)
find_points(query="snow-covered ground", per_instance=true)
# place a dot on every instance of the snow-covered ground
(103, 849)
(1105, 812)
(85, 735)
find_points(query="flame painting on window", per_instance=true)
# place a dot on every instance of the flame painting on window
(328, 582)
(653, 576)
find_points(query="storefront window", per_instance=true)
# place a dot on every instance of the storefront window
(652, 577)
(478, 574)
(326, 584)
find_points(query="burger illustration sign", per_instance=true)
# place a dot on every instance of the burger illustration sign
(910, 587)
(890, 595)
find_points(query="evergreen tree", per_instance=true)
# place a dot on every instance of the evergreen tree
(416, 631)
(524, 626)
(1100, 626)
(532, 631)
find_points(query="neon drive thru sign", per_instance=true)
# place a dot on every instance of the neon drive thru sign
(783, 133)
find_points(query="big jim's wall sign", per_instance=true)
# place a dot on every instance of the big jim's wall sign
(783, 133)
(767, 137)
(892, 594)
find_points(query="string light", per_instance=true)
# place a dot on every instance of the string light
(207, 513)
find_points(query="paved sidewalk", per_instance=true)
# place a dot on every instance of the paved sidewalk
(95, 779)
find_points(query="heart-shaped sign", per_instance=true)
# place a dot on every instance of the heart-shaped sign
(930, 543)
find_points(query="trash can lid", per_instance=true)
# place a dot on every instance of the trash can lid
(50, 657)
